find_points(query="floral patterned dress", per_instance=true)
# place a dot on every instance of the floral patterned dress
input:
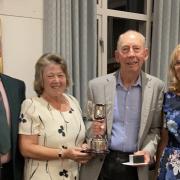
(55, 129)
(170, 160)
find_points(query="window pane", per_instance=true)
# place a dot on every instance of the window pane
(117, 26)
(136, 6)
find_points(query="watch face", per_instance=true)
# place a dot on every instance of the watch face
(60, 155)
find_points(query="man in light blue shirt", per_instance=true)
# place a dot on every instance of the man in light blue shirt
(133, 113)
(126, 117)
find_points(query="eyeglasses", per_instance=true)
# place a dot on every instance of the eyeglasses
(127, 49)
(177, 63)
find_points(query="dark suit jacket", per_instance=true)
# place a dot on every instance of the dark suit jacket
(15, 91)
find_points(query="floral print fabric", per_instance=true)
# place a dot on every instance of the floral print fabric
(170, 160)
(55, 129)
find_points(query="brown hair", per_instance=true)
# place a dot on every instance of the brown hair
(42, 62)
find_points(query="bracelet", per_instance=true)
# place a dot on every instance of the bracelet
(60, 154)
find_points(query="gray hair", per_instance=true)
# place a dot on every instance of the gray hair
(130, 31)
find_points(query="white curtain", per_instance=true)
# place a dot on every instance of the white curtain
(165, 35)
(70, 31)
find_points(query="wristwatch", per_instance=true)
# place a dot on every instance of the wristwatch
(60, 154)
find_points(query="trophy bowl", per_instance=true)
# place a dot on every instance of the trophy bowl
(99, 146)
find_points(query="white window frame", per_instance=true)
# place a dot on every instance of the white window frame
(102, 15)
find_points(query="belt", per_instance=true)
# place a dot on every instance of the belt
(6, 171)
(118, 155)
(4, 165)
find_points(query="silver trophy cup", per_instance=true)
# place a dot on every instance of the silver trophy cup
(98, 144)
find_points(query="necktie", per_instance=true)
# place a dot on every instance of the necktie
(5, 143)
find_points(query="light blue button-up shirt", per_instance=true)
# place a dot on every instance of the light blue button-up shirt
(126, 117)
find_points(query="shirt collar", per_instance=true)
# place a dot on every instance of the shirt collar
(119, 81)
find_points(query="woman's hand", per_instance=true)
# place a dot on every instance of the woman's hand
(77, 154)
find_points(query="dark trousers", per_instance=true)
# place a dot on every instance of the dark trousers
(6, 171)
(113, 169)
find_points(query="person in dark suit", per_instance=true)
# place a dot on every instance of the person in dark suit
(12, 94)
(133, 102)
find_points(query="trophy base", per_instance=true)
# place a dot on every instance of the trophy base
(92, 151)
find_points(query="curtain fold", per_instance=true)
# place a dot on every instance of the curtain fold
(70, 31)
(165, 35)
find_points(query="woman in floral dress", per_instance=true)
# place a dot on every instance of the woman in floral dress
(170, 142)
(51, 128)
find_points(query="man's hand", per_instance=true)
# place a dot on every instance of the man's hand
(98, 127)
(147, 157)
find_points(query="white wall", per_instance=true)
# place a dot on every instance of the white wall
(22, 38)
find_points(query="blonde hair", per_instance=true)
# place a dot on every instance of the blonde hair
(42, 62)
(174, 82)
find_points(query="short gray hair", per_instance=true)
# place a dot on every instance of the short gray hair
(131, 31)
